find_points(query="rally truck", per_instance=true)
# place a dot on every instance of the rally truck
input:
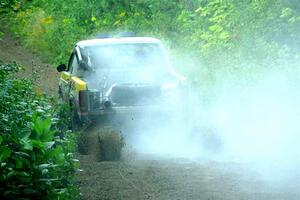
(118, 76)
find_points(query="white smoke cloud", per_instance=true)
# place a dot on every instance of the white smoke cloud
(252, 119)
(256, 122)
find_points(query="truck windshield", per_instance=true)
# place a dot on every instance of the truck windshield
(127, 57)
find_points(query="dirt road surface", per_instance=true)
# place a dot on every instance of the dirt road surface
(44, 74)
(141, 176)
(148, 177)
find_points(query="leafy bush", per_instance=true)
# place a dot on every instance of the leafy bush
(36, 160)
(8, 5)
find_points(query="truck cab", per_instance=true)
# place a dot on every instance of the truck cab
(122, 75)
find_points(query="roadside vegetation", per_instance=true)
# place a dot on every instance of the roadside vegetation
(36, 150)
(211, 37)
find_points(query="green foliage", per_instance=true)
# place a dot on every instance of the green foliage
(222, 34)
(1, 35)
(36, 159)
(8, 5)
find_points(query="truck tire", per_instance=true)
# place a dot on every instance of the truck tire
(75, 122)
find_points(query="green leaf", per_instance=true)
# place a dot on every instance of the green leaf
(5, 152)
(10, 174)
(93, 18)
(19, 164)
(1, 35)
(27, 144)
(38, 144)
(45, 165)
(49, 145)
(286, 12)
(45, 171)
(25, 174)
(42, 129)
(26, 135)
(23, 154)
(1, 139)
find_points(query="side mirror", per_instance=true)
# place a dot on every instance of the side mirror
(61, 67)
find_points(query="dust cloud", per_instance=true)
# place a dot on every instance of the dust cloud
(254, 120)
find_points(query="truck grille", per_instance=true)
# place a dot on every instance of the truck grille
(131, 94)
